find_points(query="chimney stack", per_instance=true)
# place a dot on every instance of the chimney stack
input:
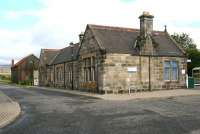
(13, 62)
(146, 24)
(81, 37)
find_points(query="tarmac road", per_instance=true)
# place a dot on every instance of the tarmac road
(49, 112)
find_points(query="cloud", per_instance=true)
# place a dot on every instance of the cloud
(60, 21)
(70, 18)
(20, 14)
(127, 1)
(16, 45)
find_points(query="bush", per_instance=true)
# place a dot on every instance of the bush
(25, 82)
(5, 77)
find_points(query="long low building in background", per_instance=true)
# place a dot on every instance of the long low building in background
(5, 70)
(23, 71)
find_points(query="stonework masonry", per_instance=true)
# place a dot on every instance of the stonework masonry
(116, 77)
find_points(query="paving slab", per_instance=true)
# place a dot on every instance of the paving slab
(137, 95)
(9, 110)
(153, 94)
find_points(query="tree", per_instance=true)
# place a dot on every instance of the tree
(190, 47)
(184, 40)
(194, 55)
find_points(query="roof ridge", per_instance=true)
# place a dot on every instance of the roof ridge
(65, 50)
(20, 61)
(75, 44)
(113, 27)
(118, 28)
(47, 49)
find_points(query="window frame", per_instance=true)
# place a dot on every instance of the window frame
(177, 71)
(171, 73)
(89, 68)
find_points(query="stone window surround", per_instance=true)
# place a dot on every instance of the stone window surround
(59, 74)
(170, 71)
(89, 68)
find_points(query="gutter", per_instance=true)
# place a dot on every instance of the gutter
(149, 73)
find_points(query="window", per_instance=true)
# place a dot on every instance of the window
(174, 70)
(70, 74)
(93, 69)
(170, 70)
(167, 70)
(89, 69)
(59, 73)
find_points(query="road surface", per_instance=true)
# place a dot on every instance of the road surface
(49, 112)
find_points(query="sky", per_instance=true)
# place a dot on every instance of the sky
(26, 26)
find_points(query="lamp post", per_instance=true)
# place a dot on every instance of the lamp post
(72, 60)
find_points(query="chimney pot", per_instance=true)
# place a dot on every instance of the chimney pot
(146, 13)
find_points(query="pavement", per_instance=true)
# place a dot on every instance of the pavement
(131, 96)
(9, 110)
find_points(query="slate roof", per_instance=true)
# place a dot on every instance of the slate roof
(65, 54)
(48, 55)
(122, 40)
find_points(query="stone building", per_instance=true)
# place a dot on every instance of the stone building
(22, 71)
(46, 57)
(113, 59)
(64, 67)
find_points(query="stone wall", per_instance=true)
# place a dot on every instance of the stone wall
(116, 77)
(65, 82)
(50, 78)
(68, 72)
(42, 76)
(90, 48)
(75, 75)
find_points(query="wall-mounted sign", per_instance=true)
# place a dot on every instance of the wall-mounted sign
(132, 69)
(189, 60)
(35, 78)
(183, 71)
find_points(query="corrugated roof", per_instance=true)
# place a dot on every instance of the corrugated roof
(22, 60)
(122, 40)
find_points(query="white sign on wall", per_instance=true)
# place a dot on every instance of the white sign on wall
(35, 78)
(36, 83)
(183, 71)
(132, 69)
